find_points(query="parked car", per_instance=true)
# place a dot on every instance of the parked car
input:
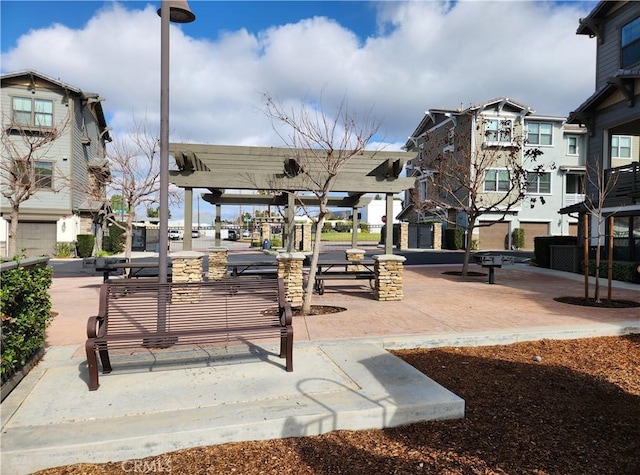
(246, 233)
(175, 234)
(195, 233)
(232, 235)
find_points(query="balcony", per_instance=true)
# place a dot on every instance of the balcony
(626, 190)
(573, 198)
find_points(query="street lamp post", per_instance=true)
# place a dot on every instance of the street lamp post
(179, 12)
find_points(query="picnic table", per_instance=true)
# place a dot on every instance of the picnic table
(342, 270)
(142, 269)
(253, 268)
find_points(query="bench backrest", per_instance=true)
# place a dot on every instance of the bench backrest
(134, 307)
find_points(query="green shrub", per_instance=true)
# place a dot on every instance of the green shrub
(276, 242)
(343, 227)
(623, 271)
(517, 238)
(25, 307)
(85, 244)
(327, 228)
(64, 249)
(364, 227)
(115, 241)
(453, 238)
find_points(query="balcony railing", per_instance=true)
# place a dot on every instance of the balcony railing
(627, 183)
(573, 198)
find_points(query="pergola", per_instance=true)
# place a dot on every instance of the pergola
(275, 172)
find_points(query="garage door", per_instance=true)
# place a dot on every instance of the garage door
(37, 239)
(494, 236)
(531, 230)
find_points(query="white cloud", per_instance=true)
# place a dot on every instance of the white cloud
(426, 54)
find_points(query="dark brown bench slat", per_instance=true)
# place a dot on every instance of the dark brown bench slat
(234, 309)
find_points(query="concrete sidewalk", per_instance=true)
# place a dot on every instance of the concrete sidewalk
(343, 377)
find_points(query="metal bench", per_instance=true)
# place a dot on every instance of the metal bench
(327, 271)
(491, 262)
(139, 314)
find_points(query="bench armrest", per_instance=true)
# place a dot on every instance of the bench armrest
(95, 327)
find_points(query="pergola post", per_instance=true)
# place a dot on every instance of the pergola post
(354, 227)
(218, 225)
(188, 219)
(388, 240)
(290, 222)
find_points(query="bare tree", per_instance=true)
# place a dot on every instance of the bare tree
(598, 186)
(135, 170)
(458, 170)
(27, 168)
(321, 145)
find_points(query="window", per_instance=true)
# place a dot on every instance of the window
(40, 174)
(538, 182)
(539, 133)
(575, 184)
(497, 130)
(33, 112)
(572, 145)
(43, 174)
(450, 142)
(497, 180)
(620, 146)
(422, 191)
(630, 43)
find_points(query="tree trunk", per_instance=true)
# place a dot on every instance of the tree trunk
(13, 230)
(308, 292)
(596, 291)
(128, 237)
(467, 247)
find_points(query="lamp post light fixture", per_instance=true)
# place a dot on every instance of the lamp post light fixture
(177, 11)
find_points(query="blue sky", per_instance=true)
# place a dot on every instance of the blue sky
(19, 16)
(395, 59)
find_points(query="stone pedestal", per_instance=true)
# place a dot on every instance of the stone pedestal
(355, 255)
(437, 236)
(388, 270)
(186, 267)
(266, 231)
(218, 259)
(290, 270)
(403, 241)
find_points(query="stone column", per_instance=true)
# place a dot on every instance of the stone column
(388, 270)
(186, 267)
(355, 255)
(403, 241)
(306, 237)
(266, 231)
(437, 236)
(290, 270)
(218, 259)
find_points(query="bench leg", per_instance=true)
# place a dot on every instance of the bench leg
(106, 362)
(92, 365)
(286, 349)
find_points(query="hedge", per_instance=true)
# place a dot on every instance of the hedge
(623, 271)
(115, 241)
(85, 244)
(517, 238)
(25, 306)
(453, 238)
